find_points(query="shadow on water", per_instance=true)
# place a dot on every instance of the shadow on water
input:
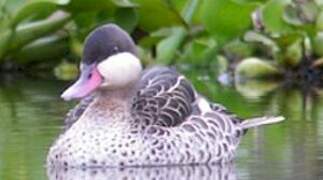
(31, 117)
(226, 172)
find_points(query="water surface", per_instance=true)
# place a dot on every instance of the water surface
(31, 117)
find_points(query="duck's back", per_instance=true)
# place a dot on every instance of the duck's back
(181, 126)
(163, 97)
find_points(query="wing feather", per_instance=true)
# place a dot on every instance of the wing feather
(164, 94)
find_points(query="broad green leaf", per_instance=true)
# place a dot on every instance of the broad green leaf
(252, 36)
(9, 6)
(27, 33)
(287, 39)
(78, 6)
(179, 4)
(272, 14)
(167, 48)
(269, 44)
(33, 8)
(96, 5)
(291, 16)
(319, 22)
(155, 14)
(309, 11)
(124, 3)
(319, 2)
(45, 49)
(85, 20)
(127, 18)
(189, 10)
(193, 9)
(7, 10)
(292, 54)
(149, 41)
(318, 44)
(199, 52)
(248, 1)
(301, 13)
(255, 68)
(239, 49)
(5, 37)
(226, 19)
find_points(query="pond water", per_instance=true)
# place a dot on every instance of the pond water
(31, 117)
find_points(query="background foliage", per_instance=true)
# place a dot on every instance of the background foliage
(254, 38)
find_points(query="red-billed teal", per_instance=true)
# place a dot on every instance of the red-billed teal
(134, 117)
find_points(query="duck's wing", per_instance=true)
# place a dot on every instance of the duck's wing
(74, 114)
(163, 97)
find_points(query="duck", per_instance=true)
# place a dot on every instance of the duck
(129, 116)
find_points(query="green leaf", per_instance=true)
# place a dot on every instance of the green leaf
(226, 19)
(167, 48)
(48, 48)
(9, 6)
(256, 37)
(7, 10)
(189, 10)
(78, 6)
(33, 8)
(238, 49)
(319, 2)
(127, 18)
(199, 52)
(272, 14)
(318, 44)
(5, 37)
(124, 3)
(291, 16)
(155, 14)
(85, 20)
(287, 39)
(255, 68)
(149, 41)
(292, 54)
(309, 11)
(319, 21)
(32, 31)
(301, 13)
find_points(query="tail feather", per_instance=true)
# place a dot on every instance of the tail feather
(259, 121)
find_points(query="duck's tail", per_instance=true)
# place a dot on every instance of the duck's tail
(259, 121)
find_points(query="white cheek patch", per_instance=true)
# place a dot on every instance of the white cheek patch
(120, 69)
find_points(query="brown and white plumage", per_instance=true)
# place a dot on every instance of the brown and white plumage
(154, 118)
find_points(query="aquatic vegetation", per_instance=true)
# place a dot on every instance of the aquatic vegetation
(285, 35)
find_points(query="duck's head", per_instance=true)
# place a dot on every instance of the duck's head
(109, 61)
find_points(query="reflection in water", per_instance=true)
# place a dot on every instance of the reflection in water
(225, 172)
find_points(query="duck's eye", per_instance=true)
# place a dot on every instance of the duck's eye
(115, 49)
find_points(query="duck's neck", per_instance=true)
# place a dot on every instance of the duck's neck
(110, 98)
(110, 106)
(122, 94)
